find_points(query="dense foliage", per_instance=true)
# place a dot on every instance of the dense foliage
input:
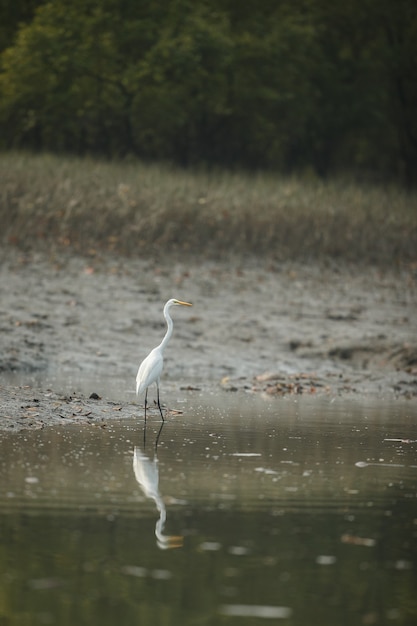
(282, 84)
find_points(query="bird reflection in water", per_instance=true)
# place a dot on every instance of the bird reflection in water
(146, 472)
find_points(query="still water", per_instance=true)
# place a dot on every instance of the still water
(239, 511)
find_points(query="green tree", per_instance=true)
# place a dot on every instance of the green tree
(277, 84)
(398, 58)
(60, 87)
(14, 13)
(182, 87)
(367, 86)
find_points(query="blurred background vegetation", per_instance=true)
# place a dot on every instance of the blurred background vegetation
(87, 205)
(278, 128)
(288, 85)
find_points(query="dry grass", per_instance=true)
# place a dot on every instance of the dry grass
(135, 209)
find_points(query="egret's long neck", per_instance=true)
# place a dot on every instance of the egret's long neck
(168, 334)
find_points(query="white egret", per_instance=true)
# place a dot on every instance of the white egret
(151, 368)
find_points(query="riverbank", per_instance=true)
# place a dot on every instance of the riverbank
(255, 327)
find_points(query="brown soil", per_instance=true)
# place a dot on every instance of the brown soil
(283, 329)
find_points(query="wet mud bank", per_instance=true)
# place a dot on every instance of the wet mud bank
(254, 328)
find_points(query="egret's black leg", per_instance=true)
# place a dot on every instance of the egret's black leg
(157, 437)
(159, 404)
(146, 402)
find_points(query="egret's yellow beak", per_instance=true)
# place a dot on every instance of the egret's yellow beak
(183, 303)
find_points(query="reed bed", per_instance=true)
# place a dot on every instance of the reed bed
(135, 209)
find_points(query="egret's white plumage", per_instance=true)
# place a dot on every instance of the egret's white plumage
(150, 369)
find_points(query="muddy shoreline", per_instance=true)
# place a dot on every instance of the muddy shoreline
(254, 327)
